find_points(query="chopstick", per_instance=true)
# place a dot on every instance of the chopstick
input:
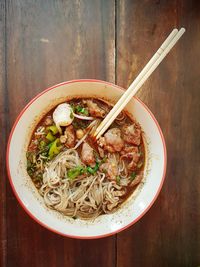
(157, 58)
(135, 82)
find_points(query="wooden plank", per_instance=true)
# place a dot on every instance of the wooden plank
(49, 42)
(3, 111)
(168, 235)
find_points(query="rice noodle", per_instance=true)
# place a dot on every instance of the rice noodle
(85, 197)
(104, 177)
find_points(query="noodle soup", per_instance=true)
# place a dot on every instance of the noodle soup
(78, 175)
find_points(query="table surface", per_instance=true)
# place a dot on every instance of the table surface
(46, 42)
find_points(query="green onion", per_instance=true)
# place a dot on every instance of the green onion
(53, 129)
(54, 149)
(39, 176)
(85, 112)
(49, 145)
(103, 160)
(93, 170)
(79, 108)
(31, 167)
(83, 170)
(118, 178)
(133, 175)
(50, 137)
(29, 155)
(75, 172)
(82, 110)
(72, 107)
(30, 172)
(90, 170)
(28, 164)
(42, 144)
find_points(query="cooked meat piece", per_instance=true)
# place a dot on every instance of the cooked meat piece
(101, 142)
(132, 165)
(70, 136)
(129, 149)
(33, 146)
(137, 179)
(101, 152)
(95, 110)
(110, 168)
(63, 139)
(132, 155)
(112, 140)
(48, 121)
(132, 134)
(87, 155)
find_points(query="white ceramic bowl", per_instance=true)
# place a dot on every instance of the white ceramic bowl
(132, 210)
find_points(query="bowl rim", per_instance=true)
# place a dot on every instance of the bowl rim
(15, 191)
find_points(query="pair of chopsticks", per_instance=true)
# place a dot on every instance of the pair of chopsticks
(157, 58)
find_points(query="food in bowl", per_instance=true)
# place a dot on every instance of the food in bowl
(137, 204)
(77, 175)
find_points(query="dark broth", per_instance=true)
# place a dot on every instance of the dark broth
(35, 145)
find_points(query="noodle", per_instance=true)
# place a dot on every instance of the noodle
(76, 175)
(86, 200)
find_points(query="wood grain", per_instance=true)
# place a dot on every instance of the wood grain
(3, 112)
(46, 42)
(49, 42)
(169, 234)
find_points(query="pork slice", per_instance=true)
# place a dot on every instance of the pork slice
(95, 110)
(112, 140)
(131, 155)
(87, 154)
(132, 134)
(70, 136)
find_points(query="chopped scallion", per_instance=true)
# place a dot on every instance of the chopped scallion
(133, 175)
(118, 178)
(53, 129)
(82, 110)
(75, 172)
(93, 170)
(50, 137)
(54, 148)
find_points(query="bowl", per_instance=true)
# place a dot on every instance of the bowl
(26, 193)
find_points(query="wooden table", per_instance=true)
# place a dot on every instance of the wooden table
(46, 42)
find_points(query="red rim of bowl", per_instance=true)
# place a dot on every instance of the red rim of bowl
(32, 215)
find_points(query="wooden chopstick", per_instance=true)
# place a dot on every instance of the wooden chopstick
(140, 79)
